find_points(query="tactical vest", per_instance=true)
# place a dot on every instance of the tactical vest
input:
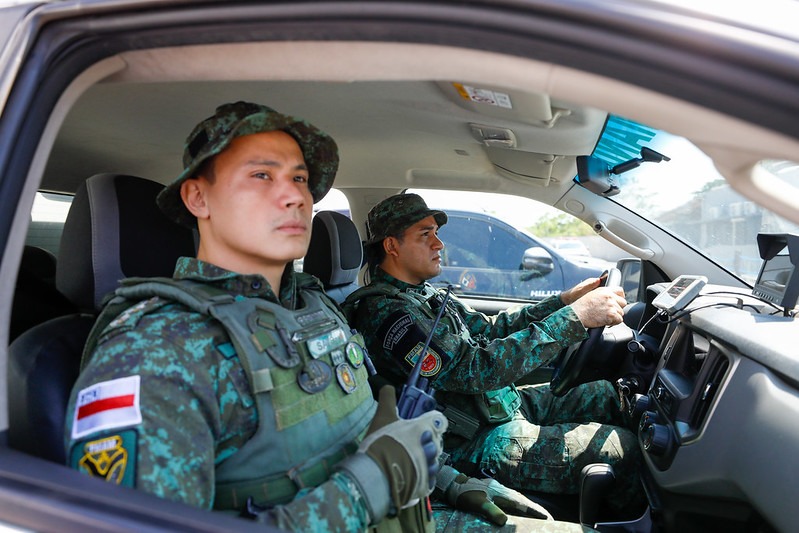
(307, 375)
(494, 407)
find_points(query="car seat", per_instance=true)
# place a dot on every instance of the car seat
(36, 298)
(335, 253)
(113, 230)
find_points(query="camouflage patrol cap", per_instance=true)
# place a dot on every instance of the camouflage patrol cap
(211, 136)
(396, 213)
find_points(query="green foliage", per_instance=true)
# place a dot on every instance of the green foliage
(560, 225)
(715, 184)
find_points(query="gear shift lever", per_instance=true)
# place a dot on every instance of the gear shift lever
(595, 481)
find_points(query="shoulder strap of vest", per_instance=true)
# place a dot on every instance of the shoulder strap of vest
(199, 297)
(377, 288)
(196, 296)
(381, 288)
(310, 282)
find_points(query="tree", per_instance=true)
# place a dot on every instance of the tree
(560, 225)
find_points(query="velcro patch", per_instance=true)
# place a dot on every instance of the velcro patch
(112, 458)
(399, 324)
(107, 405)
(403, 338)
(432, 361)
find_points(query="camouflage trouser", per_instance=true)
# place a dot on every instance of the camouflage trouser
(449, 520)
(551, 439)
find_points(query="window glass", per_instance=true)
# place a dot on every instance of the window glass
(513, 247)
(687, 196)
(47, 220)
(334, 200)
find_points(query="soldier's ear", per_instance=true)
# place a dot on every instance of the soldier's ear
(192, 191)
(390, 245)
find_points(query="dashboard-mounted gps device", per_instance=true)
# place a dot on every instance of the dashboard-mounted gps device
(679, 293)
(778, 280)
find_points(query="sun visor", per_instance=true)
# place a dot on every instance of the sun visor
(521, 164)
(496, 102)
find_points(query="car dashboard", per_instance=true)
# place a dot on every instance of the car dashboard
(717, 422)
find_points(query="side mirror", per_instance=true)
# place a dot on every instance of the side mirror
(538, 261)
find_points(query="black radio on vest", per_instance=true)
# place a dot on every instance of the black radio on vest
(417, 395)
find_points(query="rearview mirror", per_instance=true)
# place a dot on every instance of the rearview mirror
(594, 175)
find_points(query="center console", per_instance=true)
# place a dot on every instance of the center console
(691, 370)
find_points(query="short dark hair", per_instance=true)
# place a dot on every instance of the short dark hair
(207, 170)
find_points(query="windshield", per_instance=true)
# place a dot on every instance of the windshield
(689, 198)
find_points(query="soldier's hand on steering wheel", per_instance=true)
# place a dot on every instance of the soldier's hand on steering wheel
(603, 306)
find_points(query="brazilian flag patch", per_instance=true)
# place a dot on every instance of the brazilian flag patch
(111, 457)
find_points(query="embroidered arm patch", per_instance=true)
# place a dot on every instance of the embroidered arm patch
(403, 338)
(107, 405)
(112, 458)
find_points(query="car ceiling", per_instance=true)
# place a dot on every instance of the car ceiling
(399, 122)
(387, 131)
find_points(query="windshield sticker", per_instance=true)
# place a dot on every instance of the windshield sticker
(107, 405)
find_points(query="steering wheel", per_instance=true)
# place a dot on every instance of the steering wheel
(575, 357)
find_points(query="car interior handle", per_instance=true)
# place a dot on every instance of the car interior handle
(601, 229)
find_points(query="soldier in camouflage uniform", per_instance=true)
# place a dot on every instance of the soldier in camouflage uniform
(524, 437)
(237, 385)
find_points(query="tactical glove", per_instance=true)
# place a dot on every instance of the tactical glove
(486, 497)
(403, 453)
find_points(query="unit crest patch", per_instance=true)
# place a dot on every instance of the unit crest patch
(112, 458)
(403, 338)
(432, 361)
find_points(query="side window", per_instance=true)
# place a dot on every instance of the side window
(471, 241)
(334, 200)
(506, 249)
(513, 247)
(465, 240)
(47, 220)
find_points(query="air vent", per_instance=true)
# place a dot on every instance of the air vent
(709, 387)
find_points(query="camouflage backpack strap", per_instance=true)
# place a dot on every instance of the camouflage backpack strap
(196, 296)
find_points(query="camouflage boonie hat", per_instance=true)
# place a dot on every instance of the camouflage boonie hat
(396, 213)
(214, 134)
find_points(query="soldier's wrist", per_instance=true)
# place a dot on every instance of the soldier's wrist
(371, 482)
(445, 477)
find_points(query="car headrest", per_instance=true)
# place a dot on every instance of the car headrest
(115, 230)
(335, 253)
(37, 264)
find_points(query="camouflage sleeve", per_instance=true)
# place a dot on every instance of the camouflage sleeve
(157, 412)
(335, 505)
(161, 395)
(510, 321)
(397, 329)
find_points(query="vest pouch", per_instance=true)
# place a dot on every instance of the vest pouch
(499, 406)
